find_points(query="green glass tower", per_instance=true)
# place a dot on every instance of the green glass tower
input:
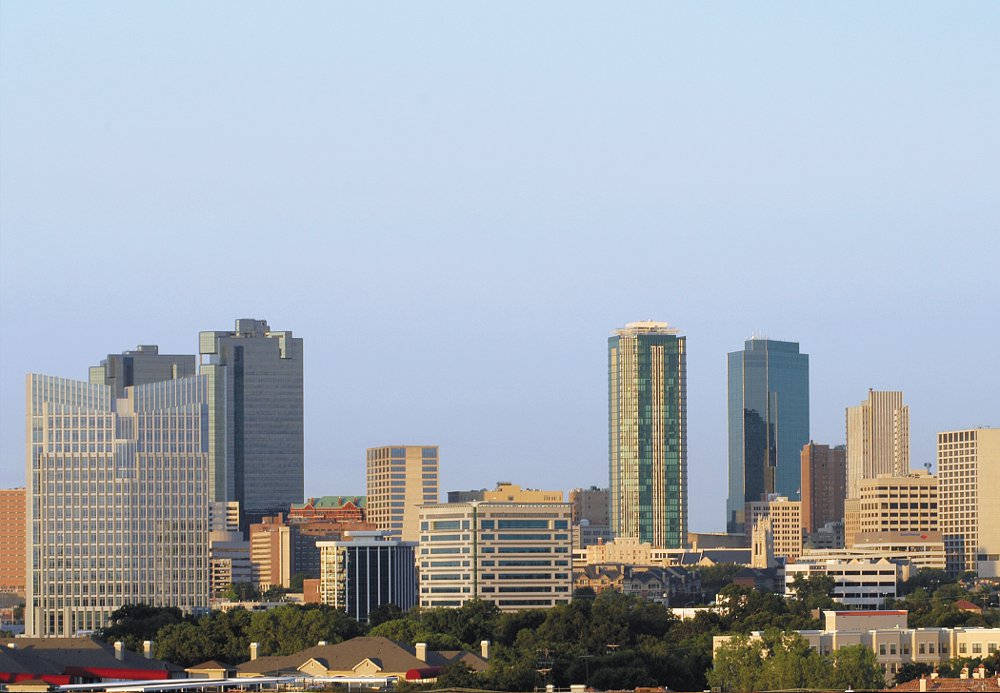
(647, 434)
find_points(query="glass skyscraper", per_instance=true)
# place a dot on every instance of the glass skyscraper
(255, 424)
(768, 415)
(647, 434)
(118, 507)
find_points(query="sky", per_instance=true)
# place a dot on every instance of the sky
(455, 204)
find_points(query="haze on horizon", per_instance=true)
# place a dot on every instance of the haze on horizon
(454, 205)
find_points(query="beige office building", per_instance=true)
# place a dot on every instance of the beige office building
(506, 492)
(517, 555)
(119, 500)
(968, 464)
(400, 479)
(878, 439)
(271, 553)
(886, 634)
(906, 503)
(785, 518)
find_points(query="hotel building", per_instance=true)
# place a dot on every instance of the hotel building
(968, 465)
(517, 555)
(119, 506)
(399, 479)
(647, 436)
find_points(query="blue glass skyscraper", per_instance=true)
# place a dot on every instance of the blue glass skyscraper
(768, 423)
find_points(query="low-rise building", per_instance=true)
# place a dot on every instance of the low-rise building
(517, 555)
(919, 549)
(330, 509)
(887, 634)
(365, 571)
(666, 585)
(506, 492)
(858, 582)
(372, 661)
(61, 661)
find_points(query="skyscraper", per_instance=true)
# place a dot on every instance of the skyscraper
(399, 479)
(878, 439)
(118, 505)
(255, 424)
(142, 366)
(968, 466)
(824, 485)
(647, 433)
(768, 414)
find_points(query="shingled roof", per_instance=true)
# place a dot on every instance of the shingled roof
(81, 652)
(389, 655)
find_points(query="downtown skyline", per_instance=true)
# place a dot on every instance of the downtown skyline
(456, 222)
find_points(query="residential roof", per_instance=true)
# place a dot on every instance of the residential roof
(966, 605)
(470, 659)
(990, 684)
(211, 664)
(389, 655)
(83, 652)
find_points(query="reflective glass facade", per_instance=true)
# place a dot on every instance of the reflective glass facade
(118, 508)
(255, 425)
(647, 434)
(768, 413)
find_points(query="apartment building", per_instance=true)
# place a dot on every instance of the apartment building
(968, 464)
(785, 518)
(517, 555)
(907, 503)
(367, 570)
(887, 634)
(400, 478)
(13, 540)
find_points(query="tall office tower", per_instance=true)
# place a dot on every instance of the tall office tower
(255, 421)
(968, 466)
(517, 555)
(878, 439)
(118, 505)
(784, 521)
(399, 479)
(13, 541)
(647, 433)
(768, 394)
(908, 503)
(140, 367)
(824, 485)
(367, 571)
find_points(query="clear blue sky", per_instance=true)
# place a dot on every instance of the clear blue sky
(455, 203)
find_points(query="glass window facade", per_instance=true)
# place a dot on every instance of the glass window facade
(647, 434)
(768, 417)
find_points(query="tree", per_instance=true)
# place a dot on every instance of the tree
(242, 592)
(295, 583)
(855, 667)
(738, 665)
(715, 577)
(134, 623)
(459, 675)
(383, 613)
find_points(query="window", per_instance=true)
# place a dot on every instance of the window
(881, 649)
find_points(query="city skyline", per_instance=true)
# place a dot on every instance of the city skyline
(485, 179)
